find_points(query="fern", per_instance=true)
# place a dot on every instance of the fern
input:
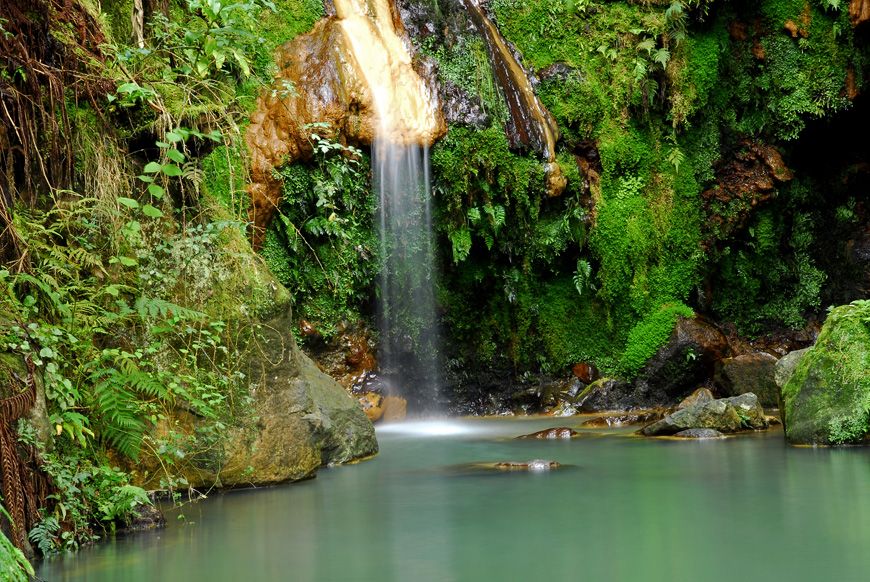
(44, 535)
(582, 276)
(154, 307)
(461, 240)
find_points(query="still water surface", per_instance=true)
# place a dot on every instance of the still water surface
(623, 508)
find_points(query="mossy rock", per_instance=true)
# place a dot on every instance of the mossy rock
(827, 399)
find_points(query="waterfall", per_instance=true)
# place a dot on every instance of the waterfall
(407, 117)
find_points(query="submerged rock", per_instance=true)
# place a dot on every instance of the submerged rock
(145, 517)
(733, 414)
(826, 400)
(535, 465)
(749, 373)
(700, 433)
(551, 434)
(617, 420)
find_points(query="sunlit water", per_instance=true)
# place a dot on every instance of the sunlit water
(621, 508)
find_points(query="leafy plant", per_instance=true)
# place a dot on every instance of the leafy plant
(14, 566)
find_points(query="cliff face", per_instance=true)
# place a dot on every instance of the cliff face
(351, 74)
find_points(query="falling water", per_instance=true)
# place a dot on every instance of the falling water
(407, 121)
(407, 318)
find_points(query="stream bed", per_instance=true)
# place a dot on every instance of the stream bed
(620, 508)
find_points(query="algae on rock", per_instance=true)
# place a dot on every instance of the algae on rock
(827, 398)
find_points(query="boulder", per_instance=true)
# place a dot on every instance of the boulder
(686, 360)
(826, 399)
(726, 415)
(299, 419)
(749, 373)
(699, 396)
(560, 432)
(699, 433)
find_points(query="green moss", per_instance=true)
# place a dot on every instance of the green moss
(649, 335)
(225, 178)
(827, 399)
(578, 328)
(117, 22)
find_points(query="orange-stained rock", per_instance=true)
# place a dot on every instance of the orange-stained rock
(327, 76)
(395, 408)
(749, 177)
(859, 11)
(373, 405)
(585, 372)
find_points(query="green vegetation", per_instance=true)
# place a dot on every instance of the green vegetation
(131, 286)
(322, 244)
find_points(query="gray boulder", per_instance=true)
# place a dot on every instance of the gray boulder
(726, 415)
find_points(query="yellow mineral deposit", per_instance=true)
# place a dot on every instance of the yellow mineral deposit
(353, 71)
(406, 111)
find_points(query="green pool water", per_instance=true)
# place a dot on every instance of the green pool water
(620, 508)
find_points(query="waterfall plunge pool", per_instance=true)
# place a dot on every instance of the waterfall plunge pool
(620, 508)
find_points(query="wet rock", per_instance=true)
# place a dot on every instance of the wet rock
(348, 356)
(607, 394)
(617, 420)
(530, 125)
(746, 179)
(749, 373)
(584, 372)
(558, 71)
(535, 465)
(699, 396)
(700, 433)
(827, 398)
(685, 361)
(551, 434)
(563, 409)
(145, 517)
(463, 109)
(373, 405)
(726, 415)
(574, 390)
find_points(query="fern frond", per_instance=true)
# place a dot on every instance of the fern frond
(155, 307)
